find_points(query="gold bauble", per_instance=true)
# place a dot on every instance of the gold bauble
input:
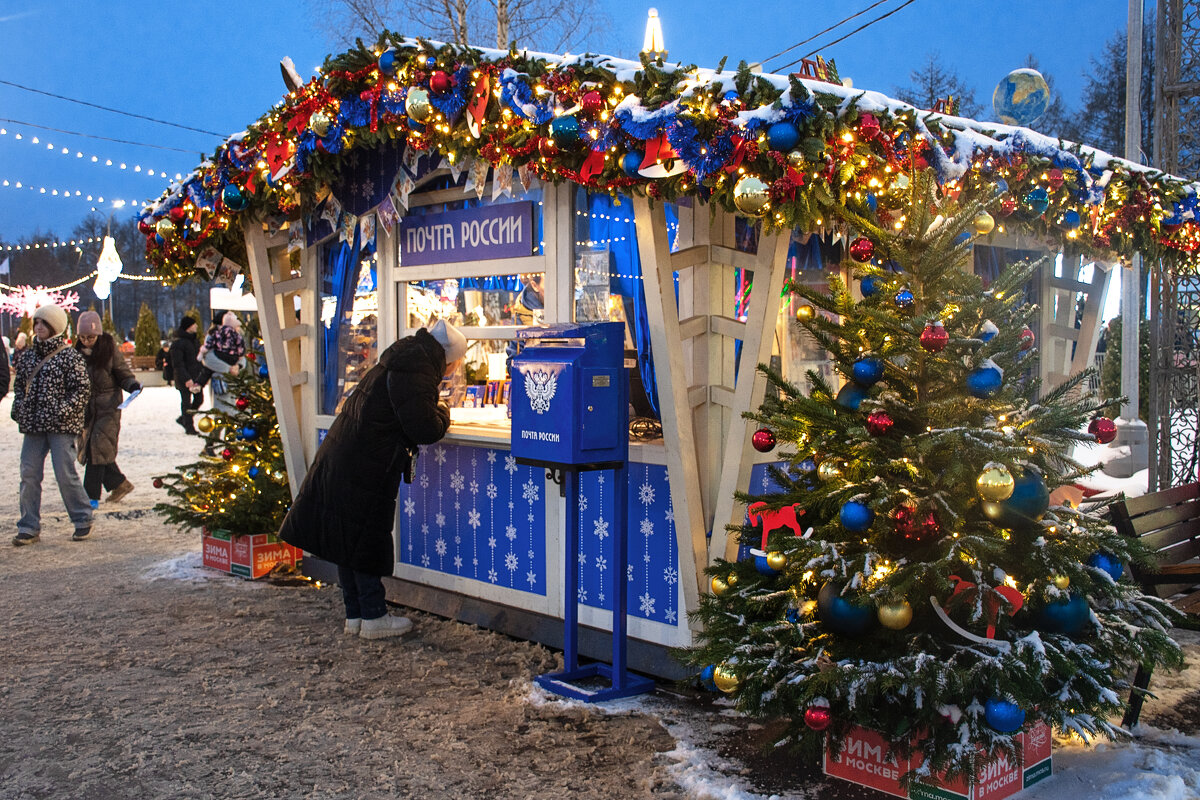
(1061, 581)
(319, 123)
(796, 160)
(205, 424)
(995, 483)
(417, 106)
(731, 580)
(719, 586)
(164, 227)
(805, 311)
(983, 223)
(751, 197)
(993, 511)
(828, 470)
(776, 560)
(895, 615)
(724, 679)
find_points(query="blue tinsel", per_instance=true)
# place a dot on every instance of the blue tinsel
(454, 101)
(517, 94)
(354, 112)
(686, 142)
(651, 124)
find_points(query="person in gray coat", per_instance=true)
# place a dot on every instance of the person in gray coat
(102, 424)
(50, 395)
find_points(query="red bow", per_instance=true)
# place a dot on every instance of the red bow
(991, 600)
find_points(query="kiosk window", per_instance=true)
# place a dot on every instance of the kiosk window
(349, 321)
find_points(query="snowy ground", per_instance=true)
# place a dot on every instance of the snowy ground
(129, 670)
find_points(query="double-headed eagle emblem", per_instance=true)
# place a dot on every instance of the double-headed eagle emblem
(540, 386)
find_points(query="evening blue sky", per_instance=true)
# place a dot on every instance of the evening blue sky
(215, 66)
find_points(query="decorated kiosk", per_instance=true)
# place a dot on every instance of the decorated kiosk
(413, 181)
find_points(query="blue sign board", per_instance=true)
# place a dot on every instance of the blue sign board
(472, 234)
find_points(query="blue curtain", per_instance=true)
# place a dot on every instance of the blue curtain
(339, 279)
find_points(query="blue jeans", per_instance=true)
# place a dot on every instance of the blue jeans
(363, 594)
(61, 447)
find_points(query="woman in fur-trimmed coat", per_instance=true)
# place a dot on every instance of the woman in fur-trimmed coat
(102, 422)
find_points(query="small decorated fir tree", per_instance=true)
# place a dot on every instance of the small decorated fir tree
(146, 334)
(932, 586)
(240, 484)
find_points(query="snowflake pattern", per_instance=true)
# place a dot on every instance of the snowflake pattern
(647, 527)
(510, 562)
(473, 519)
(600, 529)
(646, 604)
(439, 546)
(410, 507)
(530, 492)
(646, 494)
(456, 481)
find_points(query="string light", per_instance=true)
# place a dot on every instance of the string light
(67, 193)
(85, 279)
(50, 245)
(94, 159)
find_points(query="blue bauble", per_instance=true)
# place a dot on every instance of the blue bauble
(1001, 186)
(792, 615)
(1003, 716)
(564, 130)
(262, 371)
(892, 265)
(783, 136)
(905, 299)
(1029, 500)
(731, 95)
(867, 371)
(856, 517)
(984, 382)
(387, 61)
(1065, 616)
(1021, 98)
(233, 198)
(430, 62)
(869, 285)
(841, 615)
(872, 201)
(1109, 563)
(630, 163)
(706, 678)
(253, 472)
(1070, 220)
(851, 396)
(760, 564)
(1037, 201)
(249, 432)
(962, 237)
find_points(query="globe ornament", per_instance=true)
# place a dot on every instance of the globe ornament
(1069, 221)
(904, 299)
(205, 424)
(227, 454)
(934, 337)
(387, 63)
(862, 249)
(783, 136)
(995, 483)
(1061, 582)
(895, 616)
(1003, 716)
(750, 196)
(242, 402)
(988, 331)
(776, 560)
(724, 679)
(417, 105)
(440, 82)
(263, 371)
(1066, 616)
(253, 472)
(985, 381)
(1029, 500)
(763, 440)
(158, 483)
(1021, 98)
(631, 162)
(817, 717)
(866, 372)
(1007, 206)
(1108, 563)
(796, 160)
(879, 423)
(706, 678)
(855, 516)
(1027, 339)
(1036, 201)
(164, 228)
(1103, 428)
(828, 470)
(763, 567)
(233, 198)
(718, 585)
(564, 130)
(1055, 177)
(592, 102)
(731, 580)
(805, 311)
(851, 396)
(249, 432)
(869, 286)
(983, 224)
(319, 123)
(839, 614)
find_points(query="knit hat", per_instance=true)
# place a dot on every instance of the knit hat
(451, 340)
(89, 324)
(231, 320)
(184, 323)
(53, 316)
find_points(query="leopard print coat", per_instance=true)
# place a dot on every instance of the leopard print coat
(59, 394)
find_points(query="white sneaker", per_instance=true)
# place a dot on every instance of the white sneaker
(353, 626)
(384, 627)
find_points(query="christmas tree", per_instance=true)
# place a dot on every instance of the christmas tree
(146, 334)
(915, 577)
(240, 483)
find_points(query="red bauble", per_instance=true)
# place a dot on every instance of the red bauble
(817, 717)
(862, 249)
(1055, 178)
(591, 102)
(1027, 339)
(934, 338)
(158, 483)
(440, 82)
(930, 527)
(241, 402)
(904, 521)
(227, 454)
(251, 356)
(146, 226)
(1007, 206)
(1103, 428)
(177, 213)
(547, 147)
(879, 423)
(763, 440)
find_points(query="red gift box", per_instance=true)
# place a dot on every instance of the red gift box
(250, 556)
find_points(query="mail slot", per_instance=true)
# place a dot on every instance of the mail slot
(570, 400)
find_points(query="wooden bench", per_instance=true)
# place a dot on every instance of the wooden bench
(140, 362)
(1168, 522)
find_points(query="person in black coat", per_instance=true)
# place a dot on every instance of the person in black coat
(5, 373)
(188, 372)
(346, 506)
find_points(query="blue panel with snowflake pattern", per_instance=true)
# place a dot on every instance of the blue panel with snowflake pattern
(652, 573)
(475, 513)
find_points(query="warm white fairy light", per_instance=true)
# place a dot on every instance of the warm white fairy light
(67, 193)
(49, 245)
(79, 154)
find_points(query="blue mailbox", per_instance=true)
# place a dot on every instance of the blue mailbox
(570, 398)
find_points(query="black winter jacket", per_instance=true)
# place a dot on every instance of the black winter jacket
(56, 399)
(5, 375)
(185, 361)
(346, 506)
